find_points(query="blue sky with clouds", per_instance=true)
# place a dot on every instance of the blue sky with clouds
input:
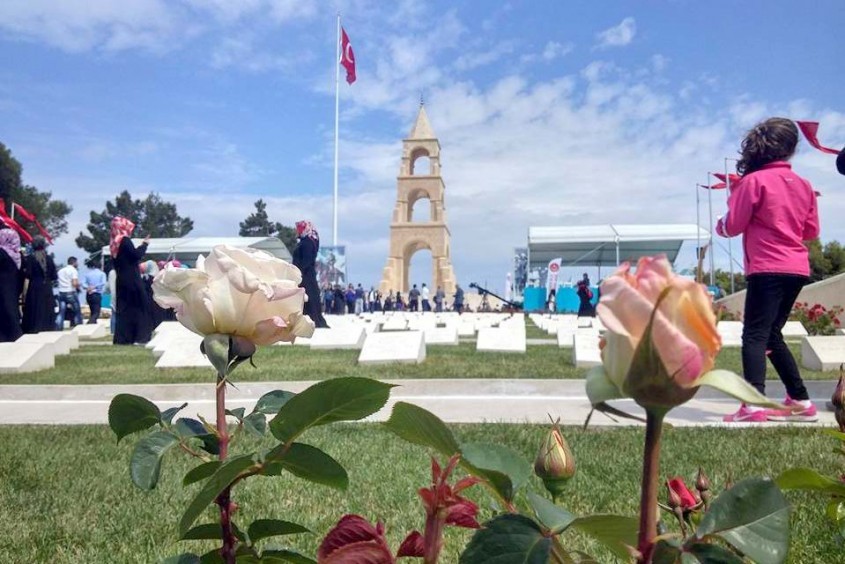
(548, 112)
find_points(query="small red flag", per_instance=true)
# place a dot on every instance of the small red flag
(20, 210)
(721, 176)
(717, 186)
(347, 56)
(810, 130)
(11, 223)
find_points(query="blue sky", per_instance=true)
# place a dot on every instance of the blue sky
(549, 113)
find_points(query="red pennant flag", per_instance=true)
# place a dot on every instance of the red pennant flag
(718, 186)
(721, 176)
(31, 218)
(810, 130)
(347, 56)
(4, 217)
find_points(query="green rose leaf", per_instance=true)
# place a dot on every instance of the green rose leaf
(129, 413)
(731, 384)
(145, 464)
(264, 528)
(809, 480)
(256, 423)
(222, 477)
(707, 553)
(306, 462)
(185, 558)
(187, 428)
(421, 427)
(212, 557)
(507, 539)
(168, 414)
(271, 402)
(554, 518)
(237, 413)
(504, 469)
(207, 531)
(284, 557)
(338, 399)
(753, 517)
(201, 472)
(615, 532)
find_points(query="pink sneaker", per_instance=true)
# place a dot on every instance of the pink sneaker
(796, 414)
(746, 415)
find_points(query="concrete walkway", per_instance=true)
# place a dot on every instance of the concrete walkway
(455, 401)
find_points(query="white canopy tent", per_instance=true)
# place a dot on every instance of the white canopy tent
(187, 248)
(608, 245)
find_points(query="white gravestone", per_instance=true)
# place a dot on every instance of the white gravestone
(187, 355)
(731, 332)
(19, 358)
(90, 331)
(794, 330)
(566, 336)
(501, 339)
(441, 335)
(823, 353)
(349, 337)
(60, 342)
(395, 323)
(466, 329)
(586, 352)
(393, 346)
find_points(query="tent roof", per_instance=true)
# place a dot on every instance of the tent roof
(190, 247)
(596, 245)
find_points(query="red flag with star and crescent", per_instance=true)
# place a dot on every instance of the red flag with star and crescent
(347, 56)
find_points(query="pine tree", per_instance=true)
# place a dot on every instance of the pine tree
(258, 224)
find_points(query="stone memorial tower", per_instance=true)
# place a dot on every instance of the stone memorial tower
(408, 236)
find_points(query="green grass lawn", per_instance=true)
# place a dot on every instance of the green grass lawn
(136, 365)
(66, 497)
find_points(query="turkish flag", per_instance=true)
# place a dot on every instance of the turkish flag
(12, 224)
(810, 130)
(347, 56)
(734, 177)
(21, 211)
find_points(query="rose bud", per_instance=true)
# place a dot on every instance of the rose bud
(555, 464)
(838, 401)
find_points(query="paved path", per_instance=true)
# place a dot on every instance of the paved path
(456, 401)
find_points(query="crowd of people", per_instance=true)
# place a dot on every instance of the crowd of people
(338, 300)
(36, 296)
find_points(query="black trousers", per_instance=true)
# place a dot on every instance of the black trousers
(94, 300)
(768, 302)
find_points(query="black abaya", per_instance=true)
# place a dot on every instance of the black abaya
(134, 307)
(305, 258)
(10, 316)
(39, 312)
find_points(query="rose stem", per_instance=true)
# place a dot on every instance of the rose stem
(651, 472)
(223, 500)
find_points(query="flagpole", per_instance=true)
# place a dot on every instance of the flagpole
(698, 228)
(710, 228)
(730, 246)
(336, 128)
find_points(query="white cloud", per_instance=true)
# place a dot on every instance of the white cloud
(618, 35)
(552, 50)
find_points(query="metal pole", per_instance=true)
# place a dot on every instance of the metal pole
(336, 127)
(730, 246)
(710, 228)
(697, 228)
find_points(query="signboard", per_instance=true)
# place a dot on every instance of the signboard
(331, 266)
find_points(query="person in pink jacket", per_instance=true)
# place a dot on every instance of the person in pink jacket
(776, 212)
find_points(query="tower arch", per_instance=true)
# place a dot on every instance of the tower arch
(407, 235)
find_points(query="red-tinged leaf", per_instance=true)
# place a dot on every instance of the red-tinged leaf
(359, 553)
(354, 540)
(465, 483)
(435, 471)
(429, 499)
(412, 547)
(462, 514)
(451, 466)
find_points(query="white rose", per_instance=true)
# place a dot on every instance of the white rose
(244, 292)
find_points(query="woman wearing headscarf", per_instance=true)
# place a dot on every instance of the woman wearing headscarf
(134, 308)
(10, 277)
(305, 258)
(39, 272)
(148, 274)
